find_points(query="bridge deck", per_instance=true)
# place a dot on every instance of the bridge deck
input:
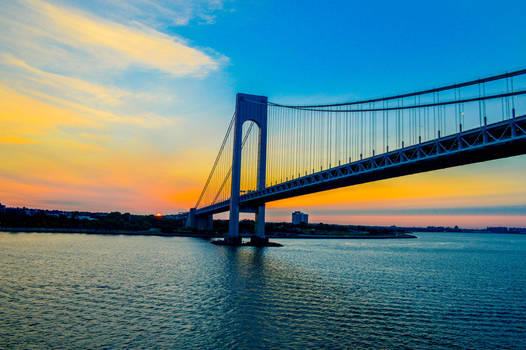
(497, 140)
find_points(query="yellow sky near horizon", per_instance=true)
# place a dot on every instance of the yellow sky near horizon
(43, 160)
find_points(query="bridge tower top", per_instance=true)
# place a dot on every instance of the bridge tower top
(251, 108)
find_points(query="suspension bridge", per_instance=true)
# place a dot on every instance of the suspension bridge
(273, 151)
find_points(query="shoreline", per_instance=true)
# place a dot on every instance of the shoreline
(106, 232)
(195, 235)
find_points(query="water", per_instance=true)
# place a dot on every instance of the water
(86, 291)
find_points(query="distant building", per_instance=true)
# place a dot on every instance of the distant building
(85, 217)
(30, 212)
(300, 218)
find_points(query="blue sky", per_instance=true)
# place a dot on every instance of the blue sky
(125, 103)
(344, 48)
(338, 49)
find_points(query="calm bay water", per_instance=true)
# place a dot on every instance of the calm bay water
(88, 291)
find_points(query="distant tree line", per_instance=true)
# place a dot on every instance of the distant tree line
(16, 217)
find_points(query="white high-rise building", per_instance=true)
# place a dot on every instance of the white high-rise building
(299, 218)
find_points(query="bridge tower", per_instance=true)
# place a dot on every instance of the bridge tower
(248, 108)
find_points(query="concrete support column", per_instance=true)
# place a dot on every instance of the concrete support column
(260, 236)
(199, 222)
(190, 219)
(233, 223)
(204, 222)
(260, 221)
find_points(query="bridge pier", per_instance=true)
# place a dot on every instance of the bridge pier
(190, 219)
(260, 237)
(204, 222)
(199, 222)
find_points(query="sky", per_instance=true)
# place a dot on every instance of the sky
(113, 105)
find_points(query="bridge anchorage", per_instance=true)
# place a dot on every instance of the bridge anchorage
(273, 151)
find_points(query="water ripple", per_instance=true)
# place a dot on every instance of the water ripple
(87, 291)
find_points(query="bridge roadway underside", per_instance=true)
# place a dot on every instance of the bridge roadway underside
(494, 141)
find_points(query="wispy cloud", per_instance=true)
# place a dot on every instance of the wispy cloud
(108, 95)
(451, 211)
(147, 120)
(179, 12)
(113, 44)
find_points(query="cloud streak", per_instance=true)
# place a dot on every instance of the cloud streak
(108, 95)
(179, 12)
(116, 44)
(505, 210)
(149, 120)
